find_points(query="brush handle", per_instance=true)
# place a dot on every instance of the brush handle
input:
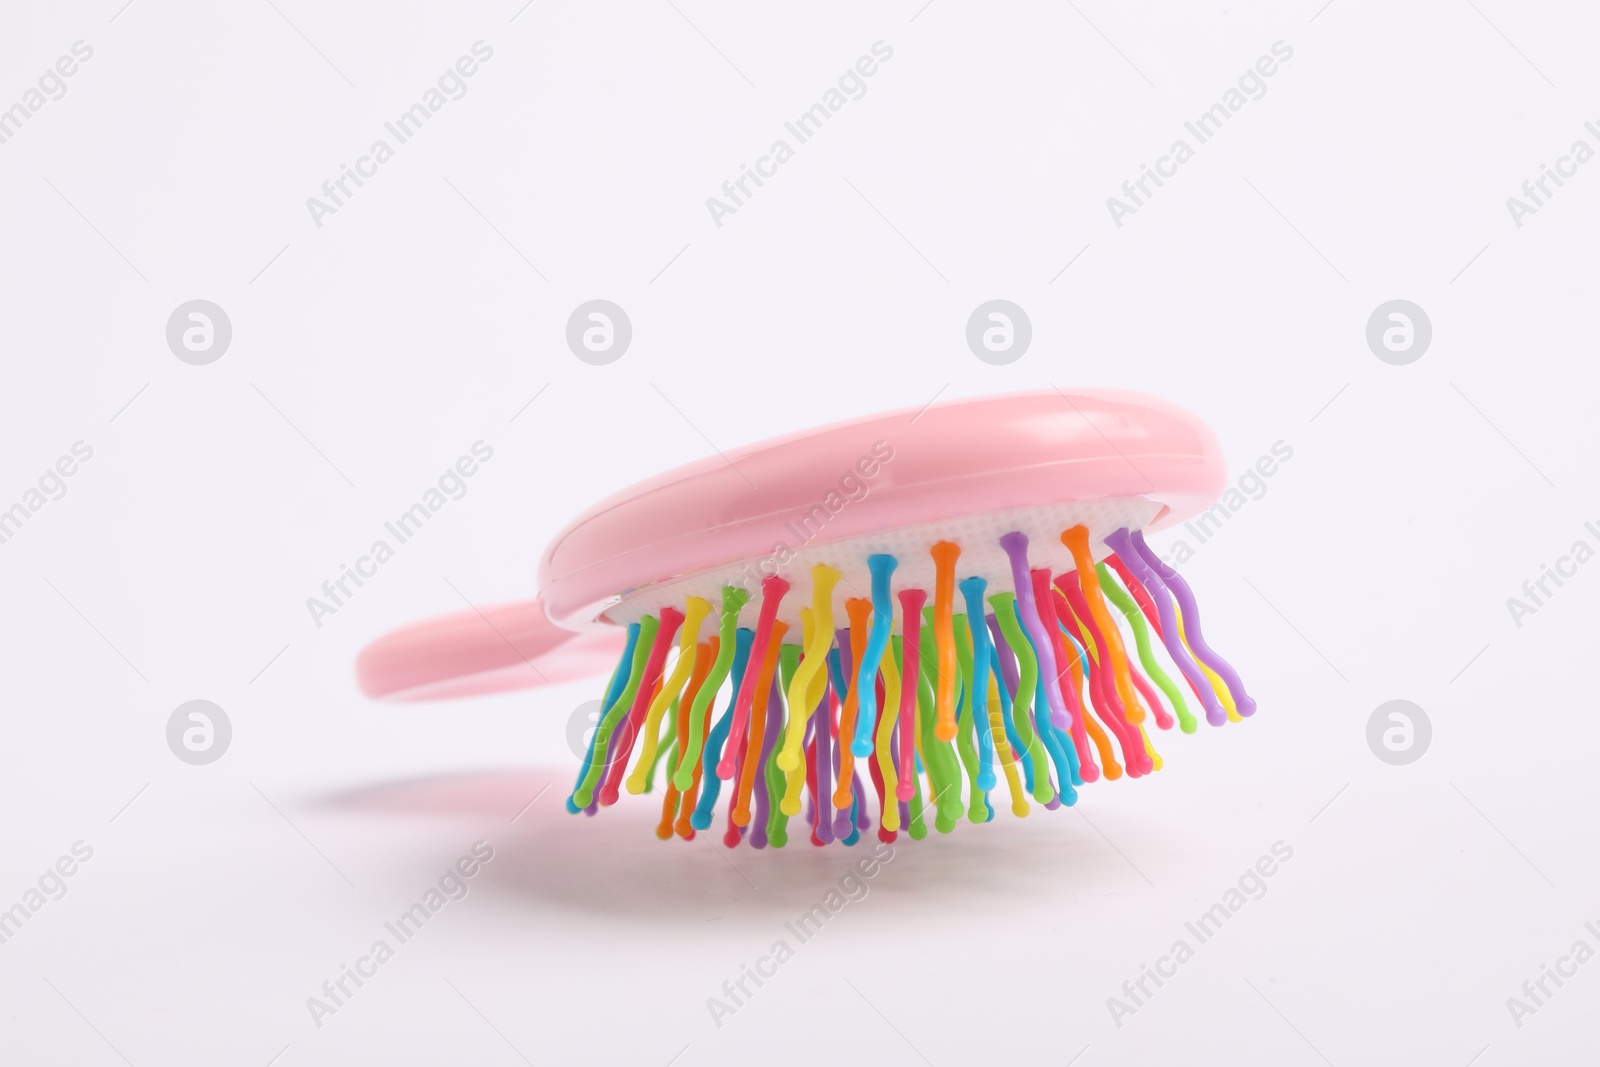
(483, 650)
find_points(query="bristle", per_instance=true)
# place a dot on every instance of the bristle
(705, 657)
(944, 773)
(649, 693)
(822, 738)
(1191, 616)
(1122, 544)
(1001, 700)
(600, 744)
(758, 742)
(695, 611)
(1077, 542)
(944, 593)
(888, 813)
(818, 626)
(619, 680)
(1004, 754)
(733, 599)
(1022, 679)
(1068, 680)
(1147, 607)
(669, 743)
(1104, 695)
(909, 652)
(1129, 607)
(855, 680)
(884, 772)
(759, 771)
(1033, 686)
(1016, 548)
(1019, 665)
(882, 567)
(711, 786)
(819, 815)
(971, 729)
(1092, 683)
(773, 589)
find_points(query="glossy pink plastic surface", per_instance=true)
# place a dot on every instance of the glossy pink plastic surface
(507, 646)
(958, 458)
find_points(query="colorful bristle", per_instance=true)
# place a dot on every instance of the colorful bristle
(772, 592)
(920, 706)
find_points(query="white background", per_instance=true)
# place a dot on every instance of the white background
(370, 352)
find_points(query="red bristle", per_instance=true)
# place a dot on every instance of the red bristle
(772, 592)
(1067, 672)
(1102, 691)
(671, 619)
(1141, 595)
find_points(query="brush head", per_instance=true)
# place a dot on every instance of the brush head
(989, 554)
(1037, 462)
(977, 536)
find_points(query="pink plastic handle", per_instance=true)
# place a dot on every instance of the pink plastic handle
(487, 650)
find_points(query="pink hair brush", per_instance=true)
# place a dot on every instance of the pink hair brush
(1001, 618)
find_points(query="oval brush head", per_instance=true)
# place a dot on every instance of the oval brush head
(894, 615)
(983, 553)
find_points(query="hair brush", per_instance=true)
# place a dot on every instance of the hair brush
(891, 614)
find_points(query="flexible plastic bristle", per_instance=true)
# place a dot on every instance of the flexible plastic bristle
(1117, 717)
(1069, 674)
(1122, 543)
(711, 784)
(1077, 542)
(1191, 615)
(759, 739)
(599, 749)
(619, 680)
(773, 589)
(1086, 675)
(911, 601)
(882, 567)
(854, 681)
(693, 616)
(733, 599)
(884, 772)
(1125, 602)
(1016, 548)
(945, 555)
(972, 651)
(621, 743)
(1032, 685)
(1025, 686)
(823, 579)
(704, 660)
